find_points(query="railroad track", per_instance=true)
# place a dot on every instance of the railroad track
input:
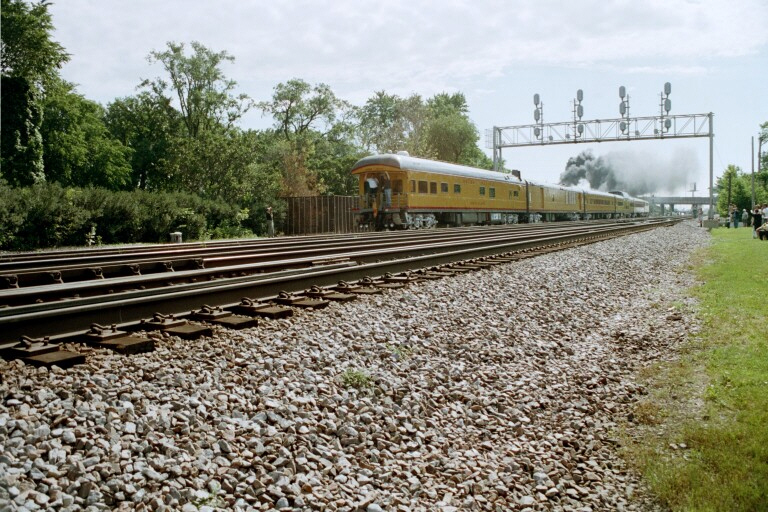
(231, 283)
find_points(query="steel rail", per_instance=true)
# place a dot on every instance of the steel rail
(130, 307)
(161, 262)
(268, 263)
(10, 262)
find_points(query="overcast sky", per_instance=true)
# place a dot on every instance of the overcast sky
(498, 53)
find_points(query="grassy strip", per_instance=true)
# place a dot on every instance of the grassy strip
(707, 448)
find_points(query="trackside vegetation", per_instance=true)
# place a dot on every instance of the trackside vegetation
(49, 215)
(709, 450)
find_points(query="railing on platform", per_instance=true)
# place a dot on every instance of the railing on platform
(398, 200)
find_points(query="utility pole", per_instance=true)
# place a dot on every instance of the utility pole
(753, 171)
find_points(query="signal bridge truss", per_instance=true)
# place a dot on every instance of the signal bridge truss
(605, 130)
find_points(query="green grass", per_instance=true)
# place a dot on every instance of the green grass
(357, 379)
(715, 398)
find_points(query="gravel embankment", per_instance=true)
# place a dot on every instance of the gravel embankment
(498, 390)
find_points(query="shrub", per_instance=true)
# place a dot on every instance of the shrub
(48, 215)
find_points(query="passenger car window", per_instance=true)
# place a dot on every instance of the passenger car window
(444, 188)
(482, 191)
(433, 187)
(457, 188)
(491, 192)
(423, 187)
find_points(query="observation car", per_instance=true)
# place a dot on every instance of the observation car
(397, 191)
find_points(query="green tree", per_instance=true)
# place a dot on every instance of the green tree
(78, 149)
(26, 48)
(444, 104)
(29, 59)
(451, 136)
(740, 185)
(334, 155)
(216, 165)
(21, 144)
(388, 123)
(298, 107)
(450, 133)
(147, 124)
(196, 148)
(379, 123)
(310, 123)
(438, 128)
(204, 94)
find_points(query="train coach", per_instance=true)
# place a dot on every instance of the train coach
(397, 191)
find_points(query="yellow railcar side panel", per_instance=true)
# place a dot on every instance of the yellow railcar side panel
(426, 192)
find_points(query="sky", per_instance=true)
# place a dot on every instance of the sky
(498, 53)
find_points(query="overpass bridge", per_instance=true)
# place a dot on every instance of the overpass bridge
(670, 201)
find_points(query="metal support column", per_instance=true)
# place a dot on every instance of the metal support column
(711, 214)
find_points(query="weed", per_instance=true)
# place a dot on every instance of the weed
(647, 412)
(401, 352)
(357, 379)
(212, 499)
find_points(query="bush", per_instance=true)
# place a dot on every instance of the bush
(44, 215)
(48, 215)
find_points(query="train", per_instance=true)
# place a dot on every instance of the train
(398, 191)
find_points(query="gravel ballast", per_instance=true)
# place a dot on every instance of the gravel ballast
(502, 389)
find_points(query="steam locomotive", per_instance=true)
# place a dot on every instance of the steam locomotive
(397, 191)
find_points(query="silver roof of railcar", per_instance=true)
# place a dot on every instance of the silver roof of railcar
(404, 161)
(422, 164)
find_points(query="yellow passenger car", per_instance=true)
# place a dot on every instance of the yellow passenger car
(400, 191)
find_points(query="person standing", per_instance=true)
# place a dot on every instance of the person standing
(270, 222)
(373, 189)
(757, 220)
(736, 216)
(387, 190)
(745, 218)
(701, 216)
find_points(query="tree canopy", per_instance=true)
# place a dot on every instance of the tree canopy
(26, 47)
(29, 60)
(203, 92)
(738, 186)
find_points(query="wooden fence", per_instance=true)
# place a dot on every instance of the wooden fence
(320, 214)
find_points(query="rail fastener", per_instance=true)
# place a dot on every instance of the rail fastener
(289, 299)
(41, 352)
(219, 316)
(404, 277)
(254, 307)
(345, 287)
(316, 292)
(119, 341)
(175, 327)
(369, 282)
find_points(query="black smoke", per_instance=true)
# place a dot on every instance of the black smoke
(585, 166)
(636, 173)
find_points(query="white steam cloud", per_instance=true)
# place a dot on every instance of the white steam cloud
(634, 172)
